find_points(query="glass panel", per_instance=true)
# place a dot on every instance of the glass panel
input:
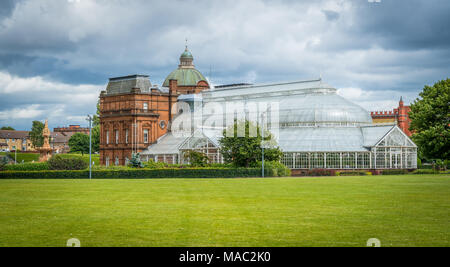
(333, 160)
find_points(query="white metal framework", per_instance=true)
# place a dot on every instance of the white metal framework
(317, 129)
(393, 151)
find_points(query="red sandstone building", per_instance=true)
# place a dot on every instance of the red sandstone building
(135, 114)
(399, 116)
(72, 129)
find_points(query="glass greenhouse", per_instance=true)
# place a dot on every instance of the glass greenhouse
(314, 127)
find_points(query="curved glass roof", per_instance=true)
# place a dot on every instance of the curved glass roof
(301, 104)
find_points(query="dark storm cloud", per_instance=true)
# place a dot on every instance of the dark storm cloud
(405, 24)
(6, 7)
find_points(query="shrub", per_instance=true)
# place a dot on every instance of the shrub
(3, 162)
(60, 163)
(275, 169)
(196, 159)
(353, 173)
(154, 165)
(394, 172)
(426, 171)
(135, 161)
(95, 158)
(28, 167)
(319, 172)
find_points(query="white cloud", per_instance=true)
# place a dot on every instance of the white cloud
(21, 113)
(23, 100)
(376, 100)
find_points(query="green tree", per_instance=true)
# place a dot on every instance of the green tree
(247, 151)
(79, 142)
(36, 134)
(96, 139)
(96, 118)
(196, 159)
(7, 128)
(431, 119)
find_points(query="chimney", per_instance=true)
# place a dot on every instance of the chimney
(173, 87)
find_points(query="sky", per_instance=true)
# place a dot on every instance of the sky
(57, 55)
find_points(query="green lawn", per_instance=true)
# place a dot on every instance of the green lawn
(25, 157)
(340, 211)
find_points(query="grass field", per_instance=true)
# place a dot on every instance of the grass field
(27, 157)
(339, 211)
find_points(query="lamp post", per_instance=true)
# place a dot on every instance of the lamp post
(89, 118)
(263, 116)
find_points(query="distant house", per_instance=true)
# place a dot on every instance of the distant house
(59, 141)
(15, 140)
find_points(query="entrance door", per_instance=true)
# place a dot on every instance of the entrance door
(397, 160)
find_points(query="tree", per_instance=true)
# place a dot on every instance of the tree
(431, 119)
(136, 161)
(96, 118)
(79, 142)
(7, 128)
(247, 151)
(36, 134)
(96, 139)
(196, 159)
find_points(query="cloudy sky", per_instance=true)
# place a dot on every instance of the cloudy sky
(57, 55)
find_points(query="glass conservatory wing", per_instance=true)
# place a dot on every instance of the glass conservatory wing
(396, 138)
(318, 139)
(168, 144)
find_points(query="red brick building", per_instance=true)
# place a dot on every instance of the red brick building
(134, 114)
(72, 129)
(399, 116)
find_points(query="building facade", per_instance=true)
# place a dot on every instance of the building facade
(316, 129)
(399, 117)
(314, 126)
(134, 114)
(16, 140)
(72, 129)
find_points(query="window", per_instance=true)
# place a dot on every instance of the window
(107, 162)
(126, 136)
(127, 161)
(107, 137)
(116, 162)
(146, 106)
(117, 137)
(146, 136)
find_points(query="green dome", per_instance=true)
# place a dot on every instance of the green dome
(187, 54)
(185, 77)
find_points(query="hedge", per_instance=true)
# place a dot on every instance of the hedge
(27, 167)
(134, 174)
(353, 173)
(426, 171)
(394, 172)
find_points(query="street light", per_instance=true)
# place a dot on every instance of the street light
(89, 118)
(263, 116)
